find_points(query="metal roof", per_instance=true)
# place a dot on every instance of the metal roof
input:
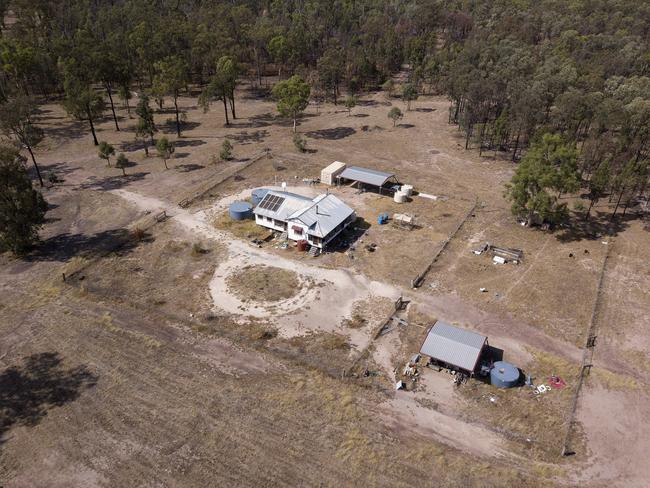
(458, 347)
(292, 203)
(365, 175)
(325, 213)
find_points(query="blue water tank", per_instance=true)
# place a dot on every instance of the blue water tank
(241, 210)
(258, 195)
(504, 375)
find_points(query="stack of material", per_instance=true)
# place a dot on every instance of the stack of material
(509, 254)
(404, 220)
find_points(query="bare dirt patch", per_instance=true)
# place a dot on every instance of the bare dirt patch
(263, 283)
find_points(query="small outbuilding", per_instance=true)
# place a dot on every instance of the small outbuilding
(328, 175)
(454, 348)
(364, 177)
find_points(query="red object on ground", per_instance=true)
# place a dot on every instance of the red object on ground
(557, 382)
(302, 245)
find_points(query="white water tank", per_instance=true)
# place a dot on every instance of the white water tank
(407, 190)
(399, 197)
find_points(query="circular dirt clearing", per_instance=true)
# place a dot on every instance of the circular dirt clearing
(263, 284)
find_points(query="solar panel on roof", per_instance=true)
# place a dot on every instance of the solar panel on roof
(271, 202)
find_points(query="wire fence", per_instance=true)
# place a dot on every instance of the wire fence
(417, 281)
(587, 355)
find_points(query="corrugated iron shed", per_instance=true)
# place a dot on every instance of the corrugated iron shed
(452, 345)
(365, 175)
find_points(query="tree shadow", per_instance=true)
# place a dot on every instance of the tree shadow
(599, 226)
(63, 247)
(74, 129)
(424, 110)
(245, 137)
(360, 116)
(188, 142)
(405, 126)
(367, 103)
(259, 93)
(113, 182)
(57, 170)
(30, 391)
(186, 168)
(367, 128)
(169, 127)
(181, 155)
(331, 134)
(133, 146)
(251, 124)
(263, 120)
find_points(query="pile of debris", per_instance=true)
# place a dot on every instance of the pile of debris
(410, 372)
(554, 381)
(501, 255)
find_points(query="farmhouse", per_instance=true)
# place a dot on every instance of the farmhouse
(454, 348)
(317, 220)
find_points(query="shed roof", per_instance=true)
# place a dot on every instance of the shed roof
(289, 203)
(365, 175)
(325, 214)
(455, 346)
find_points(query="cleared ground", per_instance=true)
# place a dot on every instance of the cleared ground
(264, 283)
(142, 365)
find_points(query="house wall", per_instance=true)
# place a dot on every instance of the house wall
(270, 223)
(337, 230)
(296, 236)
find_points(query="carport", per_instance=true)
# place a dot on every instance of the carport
(383, 182)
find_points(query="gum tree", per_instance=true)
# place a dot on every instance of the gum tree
(292, 97)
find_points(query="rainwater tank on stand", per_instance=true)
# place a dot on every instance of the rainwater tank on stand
(504, 375)
(258, 195)
(241, 210)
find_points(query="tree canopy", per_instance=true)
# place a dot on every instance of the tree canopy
(292, 97)
(512, 69)
(548, 167)
(22, 208)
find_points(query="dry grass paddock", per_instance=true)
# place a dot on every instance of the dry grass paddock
(173, 376)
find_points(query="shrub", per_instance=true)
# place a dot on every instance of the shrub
(300, 143)
(226, 150)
